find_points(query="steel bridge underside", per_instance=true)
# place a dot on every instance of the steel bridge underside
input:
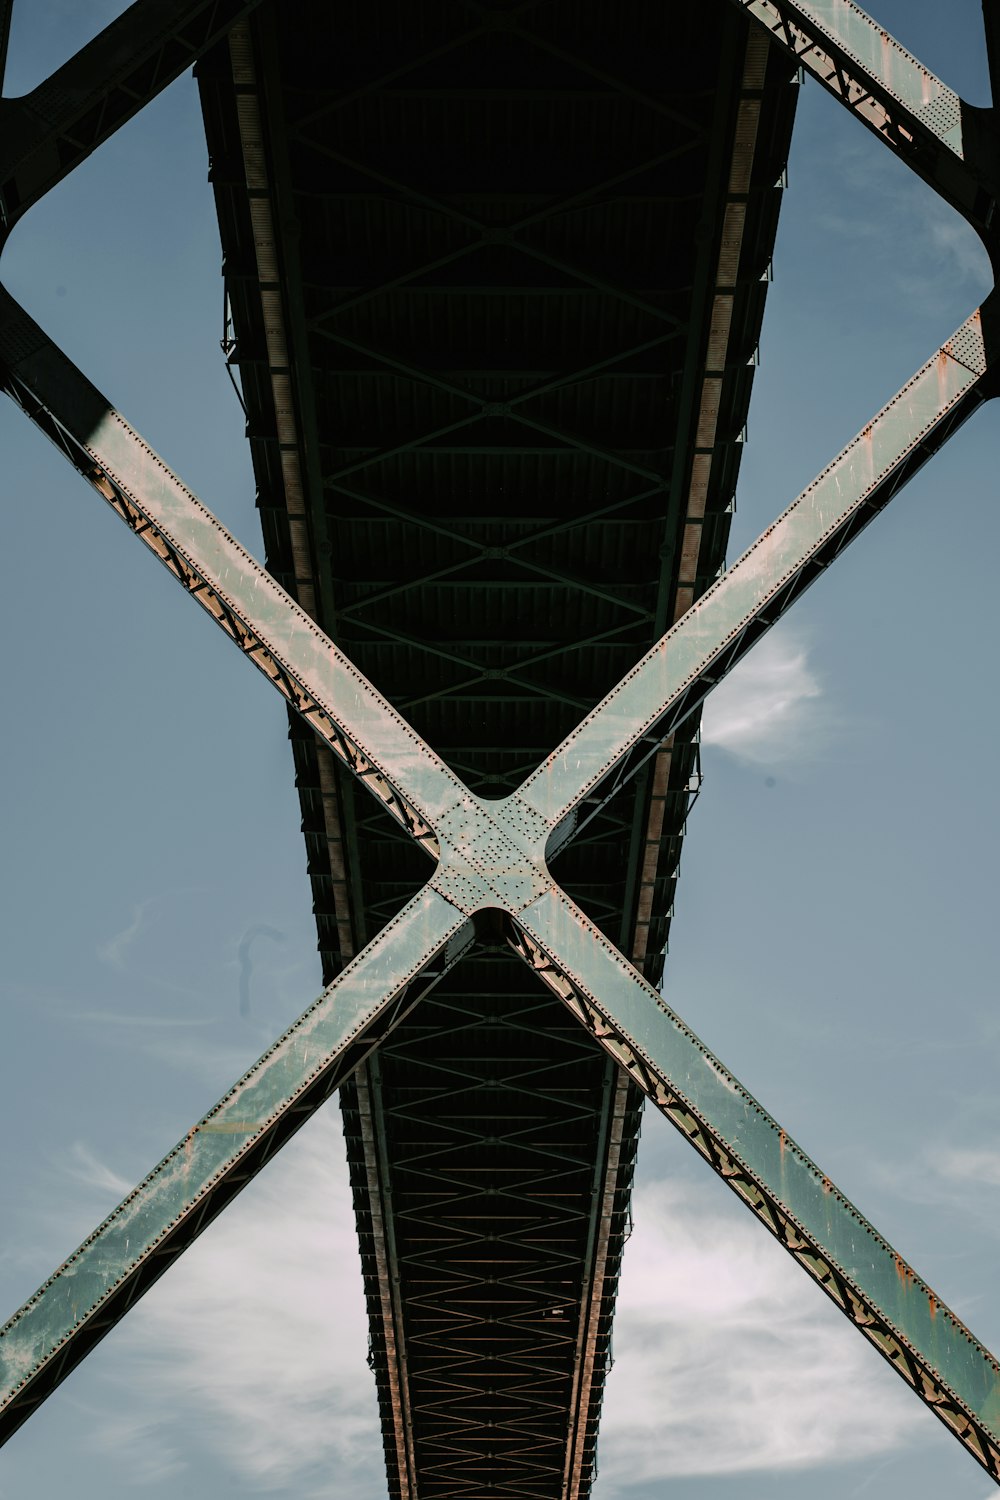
(494, 286)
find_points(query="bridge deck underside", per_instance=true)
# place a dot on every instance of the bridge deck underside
(496, 281)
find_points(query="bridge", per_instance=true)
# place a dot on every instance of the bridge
(495, 288)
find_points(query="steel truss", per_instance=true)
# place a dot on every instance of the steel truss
(493, 855)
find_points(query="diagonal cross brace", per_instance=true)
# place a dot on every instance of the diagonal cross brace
(49, 131)
(951, 144)
(220, 1154)
(494, 855)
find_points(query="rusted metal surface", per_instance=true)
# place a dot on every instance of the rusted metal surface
(597, 1294)
(493, 854)
(380, 1209)
(270, 627)
(865, 66)
(167, 1210)
(868, 1280)
(948, 142)
(707, 641)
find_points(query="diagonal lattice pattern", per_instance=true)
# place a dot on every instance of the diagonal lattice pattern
(498, 309)
(496, 1158)
(494, 859)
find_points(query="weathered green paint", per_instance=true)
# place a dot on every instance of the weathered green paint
(743, 594)
(880, 63)
(106, 447)
(493, 855)
(951, 144)
(182, 1186)
(748, 1134)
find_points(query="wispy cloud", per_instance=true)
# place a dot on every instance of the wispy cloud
(729, 1361)
(931, 252)
(115, 950)
(960, 1178)
(138, 1447)
(134, 1018)
(125, 951)
(771, 708)
(87, 1170)
(257, 1339)
(966, 1164)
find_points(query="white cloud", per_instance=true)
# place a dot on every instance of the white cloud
(961, 1179)
(253, 1346)
(115, 950)
(907, 227)
(940, 1176)
(728, 1359)
(138, 1446)
(88, 1171)
(966, 1164)
(256, 1340)
(770, 709)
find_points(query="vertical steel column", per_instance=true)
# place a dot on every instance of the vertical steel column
(991, 25)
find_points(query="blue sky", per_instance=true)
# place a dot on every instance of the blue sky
(835, 919)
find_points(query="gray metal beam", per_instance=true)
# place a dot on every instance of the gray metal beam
(52, 129)
(269, 627)
(679, 671)
(493, 854)
(115, 1265)
(883, 1297)
(951, 144)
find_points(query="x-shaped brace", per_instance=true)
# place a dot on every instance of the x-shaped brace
(494, 855)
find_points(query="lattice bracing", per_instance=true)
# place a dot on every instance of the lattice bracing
(492, 882)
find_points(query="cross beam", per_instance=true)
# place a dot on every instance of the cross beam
(48, 132)
(951, 144)
(493, 855)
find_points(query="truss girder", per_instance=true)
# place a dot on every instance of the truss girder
(948, 142)
(790, 1195)
(269, 627)
(492, 856)
(131, 1249)
(483, 1147)
(707, 641)
(49, 131)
